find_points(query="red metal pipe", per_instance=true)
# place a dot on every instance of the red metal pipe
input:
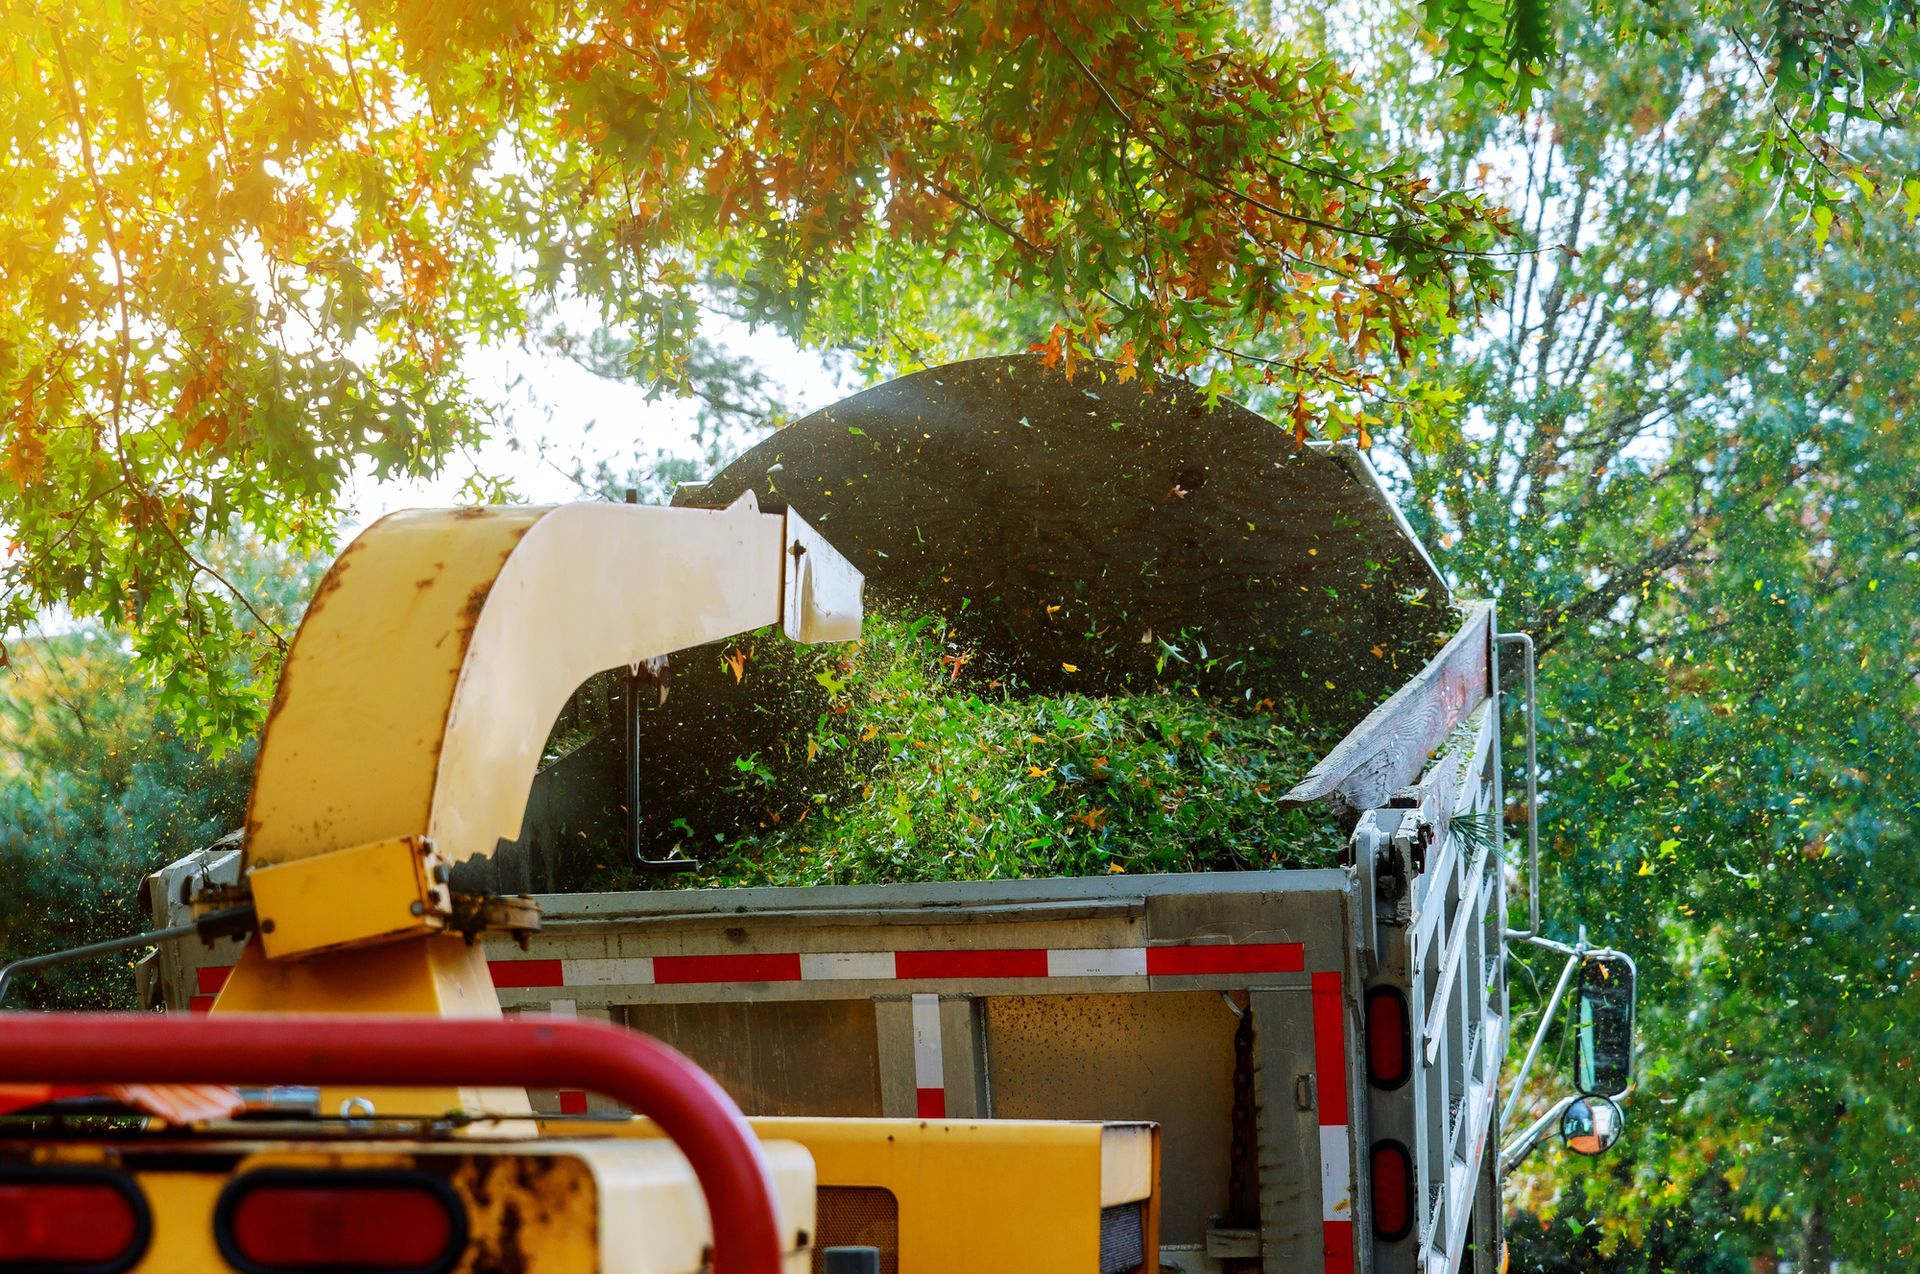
(524, 1052)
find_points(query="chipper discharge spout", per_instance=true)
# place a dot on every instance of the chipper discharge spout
(408, 723)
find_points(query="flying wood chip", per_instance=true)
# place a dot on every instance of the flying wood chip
(1072, 515)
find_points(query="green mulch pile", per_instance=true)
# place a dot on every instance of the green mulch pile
(921, 764)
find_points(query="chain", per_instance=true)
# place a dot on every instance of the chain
(1241, 1198)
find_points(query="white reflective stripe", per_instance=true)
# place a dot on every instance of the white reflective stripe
(1097, 962)
(1336, 1174)
(563, 1008)
(868, 966)
(846, 966)
(631, 971)
(927, 1069)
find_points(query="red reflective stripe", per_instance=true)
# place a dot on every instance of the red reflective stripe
(1203, 960)
(526, 973)
(671, 970)
(1336, 1241)
(1329, 1049)
(573, 1102)
(1248, 957)
(526, 1052)
(200, 1004)
(1016, 963)
(931, 1103)
(210, 979)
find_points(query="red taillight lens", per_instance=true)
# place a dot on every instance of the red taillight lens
(1392, 1191)
(1389, 1042)
(71, 1220)
(406, 1223)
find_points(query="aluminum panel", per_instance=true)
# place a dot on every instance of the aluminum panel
(816, 1058)
(1164, 1057)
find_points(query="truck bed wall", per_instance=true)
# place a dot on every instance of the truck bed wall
(1230, 1008)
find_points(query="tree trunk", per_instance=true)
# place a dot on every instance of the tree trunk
(1816, 1243)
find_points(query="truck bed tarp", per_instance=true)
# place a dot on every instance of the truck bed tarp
(1081, 521)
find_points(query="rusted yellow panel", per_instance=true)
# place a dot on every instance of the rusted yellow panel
(996, 1194)
(999, 1194)
(536, 1213)
(442, 644)
(349, 750)
(563, 1207)
(349, 897)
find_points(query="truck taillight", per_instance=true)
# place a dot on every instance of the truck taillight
(1389, 1038)
(71, 1219)
(281, 1222)
(1392, 1191)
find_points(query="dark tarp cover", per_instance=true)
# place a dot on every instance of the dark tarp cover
(1059, 521)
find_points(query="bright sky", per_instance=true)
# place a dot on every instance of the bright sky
(556, 416)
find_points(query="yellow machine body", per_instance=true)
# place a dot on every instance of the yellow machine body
(563, 1207)
(958, 1196)
(439, 976)
(404, 738)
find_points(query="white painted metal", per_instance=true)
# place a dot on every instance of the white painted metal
(1441, 948)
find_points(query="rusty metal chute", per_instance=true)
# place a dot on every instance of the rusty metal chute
(407, 726)
(441, 644)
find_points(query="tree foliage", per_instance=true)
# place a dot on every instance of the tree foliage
(97, 788)
(244, 246)
(1828, 78)
(1689, 470)
(101, 783)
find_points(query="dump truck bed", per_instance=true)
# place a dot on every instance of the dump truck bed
(1234, 1009)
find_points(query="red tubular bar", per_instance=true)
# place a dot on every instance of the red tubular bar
(525, 1052)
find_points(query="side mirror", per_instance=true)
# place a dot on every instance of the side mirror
(1590, 1125)
(1603, 1028)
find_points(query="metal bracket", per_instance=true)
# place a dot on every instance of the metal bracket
(350, 897)
(1408, 846)
(517, 915)
(820, 589)
(1364, 853)
(1225, 1244)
